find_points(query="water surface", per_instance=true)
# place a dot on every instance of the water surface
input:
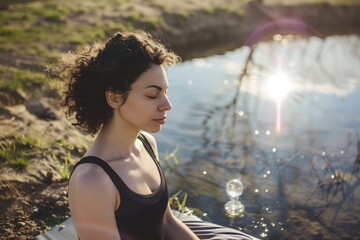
(285, 117)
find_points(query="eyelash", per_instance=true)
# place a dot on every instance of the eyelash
(153, 97)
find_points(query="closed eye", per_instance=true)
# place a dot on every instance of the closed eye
(151, 97)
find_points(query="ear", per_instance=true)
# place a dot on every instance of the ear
(113, 99)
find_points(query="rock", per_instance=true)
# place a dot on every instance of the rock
(10, 97)
(41, 109)
(48, 178)
(20, 225)
(7, 226)
(5, 113)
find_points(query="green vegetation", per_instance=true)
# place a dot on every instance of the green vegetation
(58, 25)
(17, 151)
(17, 78)
(34, 33)
(65, 152)
(298, 2)
(62, 144)
(171, 160)
(178, 202)
(64, 168)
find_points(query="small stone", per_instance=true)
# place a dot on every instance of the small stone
(55, 196)
(60, 228)
(41, 109)
(7, 225)
(10, 97)
(20, 225)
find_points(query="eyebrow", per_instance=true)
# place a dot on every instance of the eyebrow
(154, 86)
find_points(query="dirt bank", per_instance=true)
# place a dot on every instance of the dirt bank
(222, 31)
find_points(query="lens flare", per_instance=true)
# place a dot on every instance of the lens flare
(278, 86)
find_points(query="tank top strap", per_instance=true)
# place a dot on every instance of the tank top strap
(115, 178)
(147, 146)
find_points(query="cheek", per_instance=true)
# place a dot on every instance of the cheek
(139, 109)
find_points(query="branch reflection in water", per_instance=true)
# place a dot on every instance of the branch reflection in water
(301, 180)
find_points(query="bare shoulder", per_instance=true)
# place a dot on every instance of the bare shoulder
(93, 201)
(88, 176)
(89, 184)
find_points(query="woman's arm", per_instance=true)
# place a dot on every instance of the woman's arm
(174, 229)
(92, 201)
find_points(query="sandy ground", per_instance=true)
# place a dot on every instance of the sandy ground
(35, 199)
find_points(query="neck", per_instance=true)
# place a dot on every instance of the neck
(116, 140)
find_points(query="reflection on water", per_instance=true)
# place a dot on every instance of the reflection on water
(284, 117)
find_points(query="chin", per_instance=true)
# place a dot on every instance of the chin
(153, 130)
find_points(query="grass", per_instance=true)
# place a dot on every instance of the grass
(61, 153)
(64, 168)
(16, 78)
(39, 31)
(171, 160)
(62, 143)
(16, 152)
(58, 25)
(178, 202)
(298, 2)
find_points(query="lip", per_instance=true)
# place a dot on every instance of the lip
(160, 120)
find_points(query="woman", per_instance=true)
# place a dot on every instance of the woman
(118, 92)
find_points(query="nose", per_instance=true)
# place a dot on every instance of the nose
(166, 105)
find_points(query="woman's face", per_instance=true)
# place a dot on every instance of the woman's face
(147, 102)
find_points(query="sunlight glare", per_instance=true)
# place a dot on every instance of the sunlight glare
(278, 86)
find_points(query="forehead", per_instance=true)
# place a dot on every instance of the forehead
(155, 75)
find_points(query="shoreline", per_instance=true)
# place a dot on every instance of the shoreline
(234, 31)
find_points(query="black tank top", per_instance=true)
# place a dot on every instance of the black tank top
(139, 216)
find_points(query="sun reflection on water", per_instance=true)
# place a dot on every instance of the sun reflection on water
(278, 86)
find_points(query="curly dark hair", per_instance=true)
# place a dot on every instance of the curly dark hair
(115, 66)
